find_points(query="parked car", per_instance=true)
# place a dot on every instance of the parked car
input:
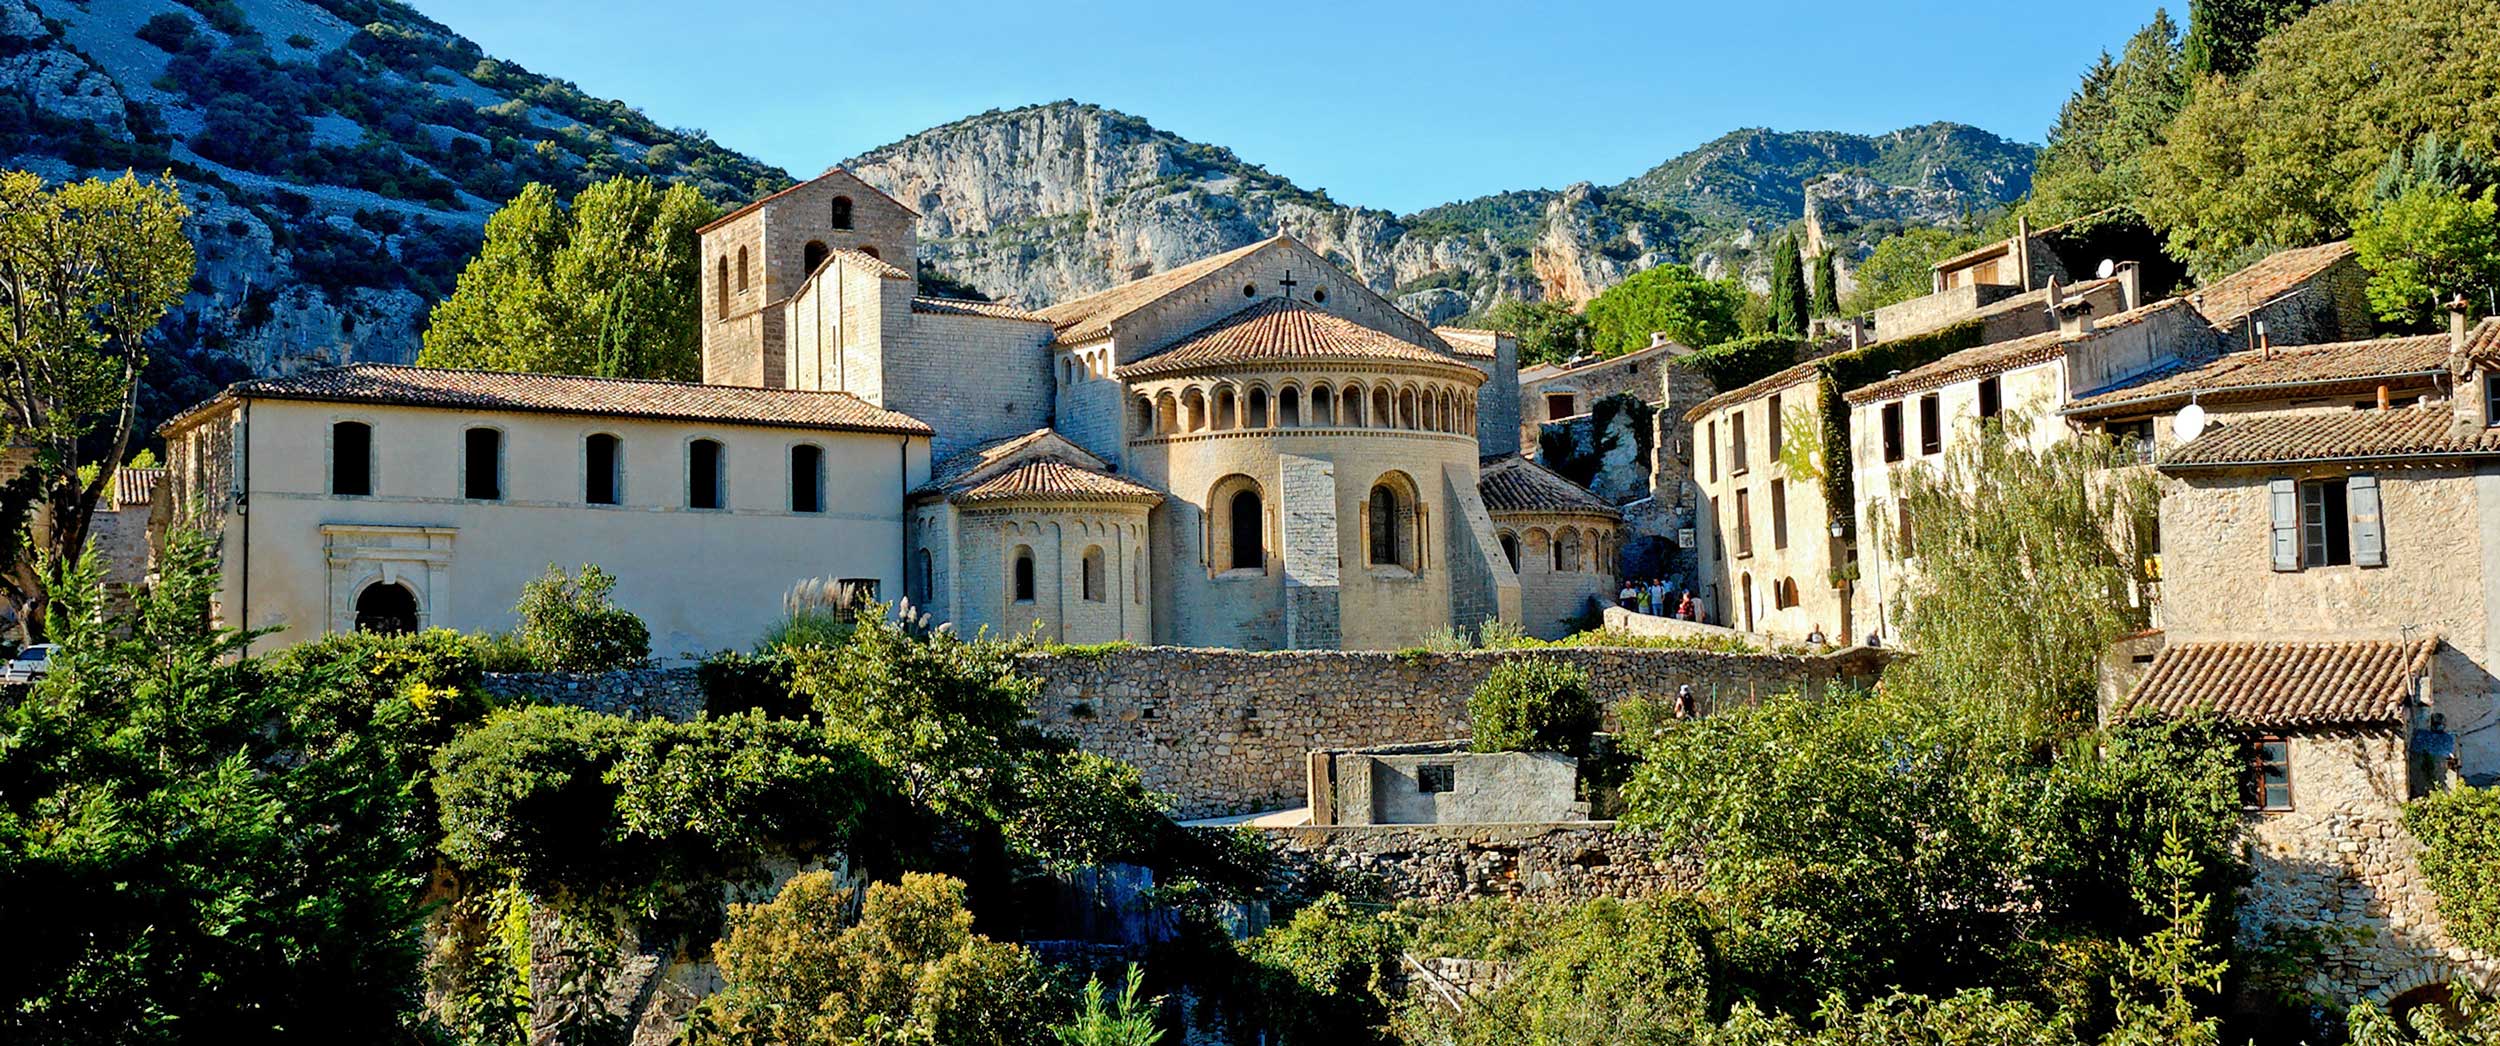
(29, 665)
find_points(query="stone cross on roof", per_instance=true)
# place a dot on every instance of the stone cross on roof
(1287, 283)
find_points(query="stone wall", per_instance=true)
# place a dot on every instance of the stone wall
(1229, 731)
(1450, 863)
(669, 693)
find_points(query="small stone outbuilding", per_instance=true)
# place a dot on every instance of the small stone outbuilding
(1441, 782)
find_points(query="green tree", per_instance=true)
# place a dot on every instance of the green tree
(87, 270)
(2428, 245)
(1125, 1021)
(1534, 705)
(2096, 148)
(1902, 267)
(2288, 152)
(1826, 284)
(570, 625)
(2026, 557)
(607, 286)
(2223, 34)
(1790, 307)
(2460, 834)
(1670, 298)
(1548, 331)
(909, 971)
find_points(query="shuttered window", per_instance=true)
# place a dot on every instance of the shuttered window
(2325, 526)
(2327, 523)
(2369, 538)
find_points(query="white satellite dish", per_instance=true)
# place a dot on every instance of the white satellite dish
(2108, 268)
(2189, 424)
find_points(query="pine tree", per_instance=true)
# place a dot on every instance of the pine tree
(1789, 306)
(2223, 34)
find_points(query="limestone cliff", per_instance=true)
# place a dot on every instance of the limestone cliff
(1044, 202)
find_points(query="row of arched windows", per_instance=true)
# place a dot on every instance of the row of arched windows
(1223, 407)
(1566, 550)
(483, 470)
(1093, 576)
(1392, 524)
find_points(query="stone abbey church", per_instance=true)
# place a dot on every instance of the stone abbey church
(1253, 450)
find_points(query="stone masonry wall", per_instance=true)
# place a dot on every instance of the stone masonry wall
(1446, 864)
(1230, 731)
(669, 693)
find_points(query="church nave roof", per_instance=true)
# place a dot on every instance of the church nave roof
(392, 384)
(1285, 330)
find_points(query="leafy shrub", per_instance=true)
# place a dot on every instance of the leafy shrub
(569, 625)
(1601, 972)
(169, 31)
(734, 682)
(1325, 971)
(1739, 362)
(2460, 834)
(1534, 705)
(910, 970)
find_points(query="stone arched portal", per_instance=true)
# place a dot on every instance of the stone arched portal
(387, 607)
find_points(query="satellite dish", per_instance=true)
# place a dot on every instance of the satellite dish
(2108, 268)
(2189, 424)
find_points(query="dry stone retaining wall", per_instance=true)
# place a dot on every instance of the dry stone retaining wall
(671, 693)
(1445, 864)
(1229, 731)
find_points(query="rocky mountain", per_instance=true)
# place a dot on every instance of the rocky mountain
(340, 156)
(1046, 201)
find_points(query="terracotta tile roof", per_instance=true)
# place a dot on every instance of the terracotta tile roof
(1469, 341)
(1810, 370)
(2001, 356)
(1516, 484)
(1054, 480)
(751, 205)
(1987, 250)
(1090, 317)
(480, 390)
(1040, 465)
(2256, 374)
(136, 486)
(2424, 431)
(2482, 344)
(2286, 684)
(882, 268)
(962, 307)
(2228, 300)
(1290, 330)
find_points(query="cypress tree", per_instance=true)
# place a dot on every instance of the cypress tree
(1826, 285)
(1789, 313)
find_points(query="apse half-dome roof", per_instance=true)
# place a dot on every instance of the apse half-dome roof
(1287, 330)
(1516, 484)
(1040, 465)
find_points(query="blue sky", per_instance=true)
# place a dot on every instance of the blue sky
(1399, 106)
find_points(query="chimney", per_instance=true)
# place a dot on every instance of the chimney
(2469, 401)
(2074, 318)
(2131, 285)
(1857, 334)
(2265, 342)
(2022, 249)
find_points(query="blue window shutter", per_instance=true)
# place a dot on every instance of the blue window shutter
(2369, 535)
(2285, 496)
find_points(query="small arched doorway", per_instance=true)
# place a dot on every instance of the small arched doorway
(387, 607)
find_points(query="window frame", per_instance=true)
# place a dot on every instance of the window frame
(1991, 397)
(615, 470)
(2257, 791)
(1024, 583)
(1091, 568)
(1779, 514)
(1930, 424)
(1889, 429)
(1738, 461)
(816, 479)
(372, 465)
(2325, 529)
(720, 474)
(468, 464)
(1436, 778)
(1744, 524)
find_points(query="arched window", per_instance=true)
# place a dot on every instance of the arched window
(814, 258)
(351, 459)
(1432, 412)
(923, 579)
(1093, 580)
(841, 212)
(1510, 550)
(720, 291)
(386, 607)
(1289, 408)
(742, 270)
(1145, 415)
(603, 473)
(1323, 406)
(1248, 529)
(1167, 414)
(1137, 578)
(1194, 408)
(1392, 524)
(807, 478)
(481, 467)
(1383, 414)
(1226, 415)
(1024, 574)
(1255, 415)
(1407, 418)
(1350, 407)
(1567, 552)
(703, 475)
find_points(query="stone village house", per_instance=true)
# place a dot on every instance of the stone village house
(1254, 450)
(2330, 548)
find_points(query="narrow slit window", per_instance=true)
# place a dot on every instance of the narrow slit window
(703, 475)
(602, 479)
(482, 479)
(351, 459)
(807, 478)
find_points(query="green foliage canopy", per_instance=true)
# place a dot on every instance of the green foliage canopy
(569, 625)
(2426, 246)
(1534, 705)
(1670, 298)
(1548, 331)
(2094, 159)
(1902, 267)
(2459, 830)
(607, 286)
